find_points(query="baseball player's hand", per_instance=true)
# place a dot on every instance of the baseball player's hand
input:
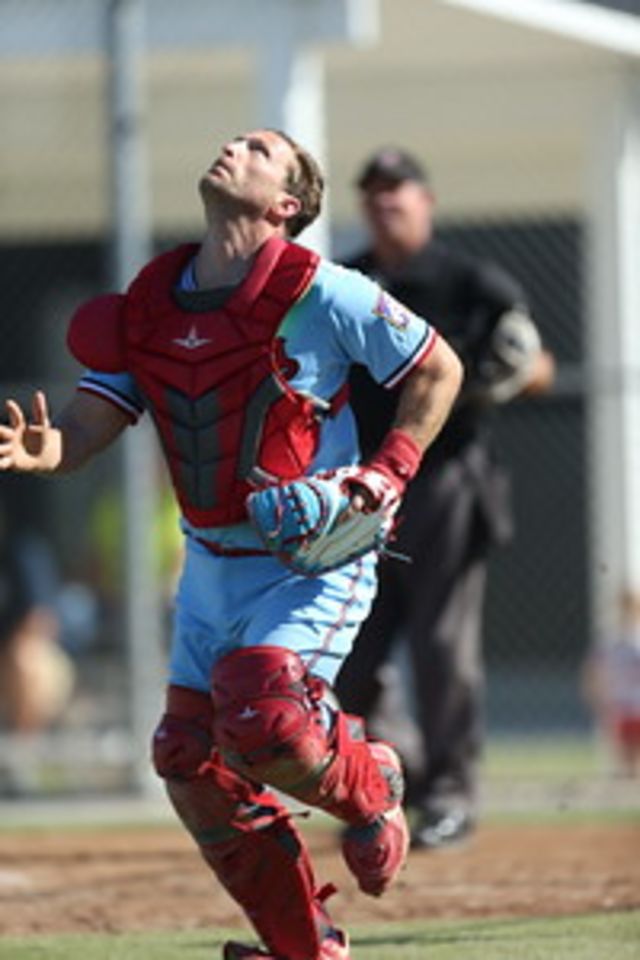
(359, 502)
(29, 446)
(368, 489)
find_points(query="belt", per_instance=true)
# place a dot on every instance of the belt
(220, 550)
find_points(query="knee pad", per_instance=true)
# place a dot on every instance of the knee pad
(268, 719)
(183, 740)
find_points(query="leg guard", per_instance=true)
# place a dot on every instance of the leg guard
(376, 851)
(267, 720)
(271, 725)
(243, 832)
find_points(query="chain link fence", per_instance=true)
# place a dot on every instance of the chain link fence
(56, 250)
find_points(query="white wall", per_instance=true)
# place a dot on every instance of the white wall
(501, 114)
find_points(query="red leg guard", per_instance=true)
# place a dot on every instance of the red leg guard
(270, 726)
(243, 832)
(267, 722)
(183, 739)
(270, 723)
(355, 787)
(269, 873)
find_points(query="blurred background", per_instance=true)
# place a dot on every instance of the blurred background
(528, 120)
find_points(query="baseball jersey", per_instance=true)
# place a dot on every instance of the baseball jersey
(344, 318)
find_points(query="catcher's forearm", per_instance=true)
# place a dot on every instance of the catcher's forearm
(428, 396)
(74, 446)
(425, 402)
(86, 426)
(36, 445)
(66, 449)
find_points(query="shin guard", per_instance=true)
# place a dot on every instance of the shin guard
(271, 724)
(355, 787)
(269, 873)
(243, 832)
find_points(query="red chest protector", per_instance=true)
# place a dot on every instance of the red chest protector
(215, 381)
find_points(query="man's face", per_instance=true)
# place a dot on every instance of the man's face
(398, 213)
(252, 169)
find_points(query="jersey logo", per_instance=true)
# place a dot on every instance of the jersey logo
(248, 713)
(391, 310)
(192, 341)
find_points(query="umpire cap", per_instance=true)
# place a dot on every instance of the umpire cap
(391, 165)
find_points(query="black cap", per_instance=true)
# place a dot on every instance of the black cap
(391, 165)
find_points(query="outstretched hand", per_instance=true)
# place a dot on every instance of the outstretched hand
(28, 446)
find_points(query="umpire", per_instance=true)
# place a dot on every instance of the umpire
(458, 505)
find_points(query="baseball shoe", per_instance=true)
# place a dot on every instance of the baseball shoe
(439, 830)
(335, 946)
(376, 851)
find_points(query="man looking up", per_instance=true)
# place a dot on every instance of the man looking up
(239, 348)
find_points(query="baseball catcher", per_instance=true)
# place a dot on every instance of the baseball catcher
(240, 348)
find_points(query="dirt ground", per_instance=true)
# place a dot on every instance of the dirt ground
(125, 879)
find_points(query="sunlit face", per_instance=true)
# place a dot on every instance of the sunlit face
(398, 213)
(253, 169)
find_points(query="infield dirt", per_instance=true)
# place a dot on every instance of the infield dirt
(126, 879)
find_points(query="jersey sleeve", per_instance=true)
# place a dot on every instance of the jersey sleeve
(376, 330)
(116, 388)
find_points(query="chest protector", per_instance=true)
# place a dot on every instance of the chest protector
(214, 381)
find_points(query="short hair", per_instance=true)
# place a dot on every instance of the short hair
(305, 182)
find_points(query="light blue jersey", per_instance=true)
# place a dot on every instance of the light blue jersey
(343, 319)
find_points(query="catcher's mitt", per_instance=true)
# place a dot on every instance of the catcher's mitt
(310, 524)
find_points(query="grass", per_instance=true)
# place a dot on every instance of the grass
(542, 759)
(615, 936)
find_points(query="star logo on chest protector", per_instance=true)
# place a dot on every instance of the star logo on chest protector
(248, 713)
(192, 341)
